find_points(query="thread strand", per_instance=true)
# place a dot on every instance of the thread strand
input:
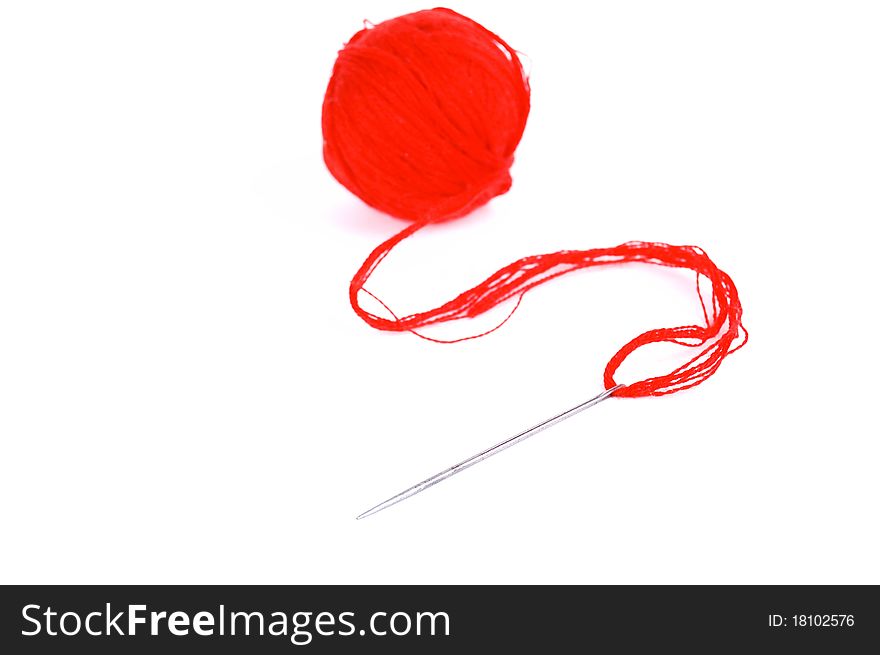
(721, 335)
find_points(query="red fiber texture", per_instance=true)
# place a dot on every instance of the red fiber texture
(421, 119)
(722, 334)
(423, 113)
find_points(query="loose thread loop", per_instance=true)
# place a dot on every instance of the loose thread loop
(719, 335)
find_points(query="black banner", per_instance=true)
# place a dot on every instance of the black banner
(391, 619)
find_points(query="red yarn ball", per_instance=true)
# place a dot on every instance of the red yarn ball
(423, 113)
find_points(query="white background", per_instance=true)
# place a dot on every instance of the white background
(186, 395)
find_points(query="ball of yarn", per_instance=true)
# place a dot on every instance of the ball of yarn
(423, 113)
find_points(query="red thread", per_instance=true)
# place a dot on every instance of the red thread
(719, 335)
(423, 113)
(421, 119)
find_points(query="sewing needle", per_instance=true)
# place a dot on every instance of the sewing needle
(494, 450)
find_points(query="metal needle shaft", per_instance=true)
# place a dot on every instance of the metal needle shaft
(485, 454)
